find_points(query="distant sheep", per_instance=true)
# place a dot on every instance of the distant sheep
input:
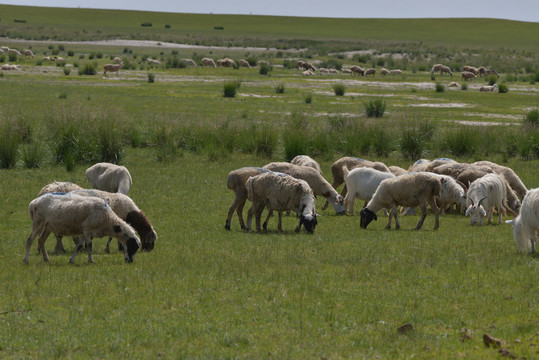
(112, 68)
(14, 51)
(304, 160)
(208, 62)
(244, 63)
(27, 53)
(226, 62)
(308, 73)
(189, 63)
(357, 70)
(466, 75)
(384, 72)
(526, 224)
(445, 70)
(153, 61)
(73, 215)
(471, 69)
(395, 72)
(281, 193)
(109, 177)
(487, 88)
(370, 71)
(436, 68)
(408, 190)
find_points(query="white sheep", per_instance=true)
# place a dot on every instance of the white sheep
(153, 61)
(451, 193)
(486, 192)
(471, 69)
(304, 160)
(445, 70)
(74, 215)
(315, 180)
(280, 193)
(226, 62)
(395, 72)
(436, 68)
(208, 62)
(419, 165)
(526, 224)
(346, 71)
(109, 177)
(362, 183)
(512, 178)
(27, 53)
(14, 51)
(487, 88)
(384, 72)
(409, 190)
(112, 68)
(189, 62)
(244, 63)
(323, 70)
(308, 73)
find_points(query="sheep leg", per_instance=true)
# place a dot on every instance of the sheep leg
(391, 214)
(436, 213)
(395, 211)
(89, 249)
(107, 247)
(280, 223)
(29, 242)
(423, 216)
(258, 216)
(41, 244)
(349, 202)
(249, 218)
(59, 247)
(79, 247)
(237, 206)
(265, 224)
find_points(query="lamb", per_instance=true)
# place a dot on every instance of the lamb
(490, 190)
(350, 163)
(73, 215)
(362, 183)
(304, 160)
(409, 190)
(244, 63)
(487, 88)
(466, 75)
(315, 180)
(370, 71)
(189, 62)
(208, 62)
(281, 193)
(526, 224)
(112, 68)
(511, 177)
(236, 181)
(27, 53)
(121, 204)
(109, 177)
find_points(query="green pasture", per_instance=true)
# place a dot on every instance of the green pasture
(208, 293)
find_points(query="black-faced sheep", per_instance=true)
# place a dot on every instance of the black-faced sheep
(74, 215)
(526, 224)
(109, 177)
(409, 190)
(280, 193)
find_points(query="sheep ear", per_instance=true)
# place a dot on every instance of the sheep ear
(468, 210)
(117, 228)
(375, 217)
(510, 222)
(482, 209)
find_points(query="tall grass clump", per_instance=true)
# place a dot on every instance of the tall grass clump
(264, 69)
(440, 87)
(464, 86)
(308, 98)
(266, 139)
(88, 69)
(375, 108)
(164, 144)
(9, 145)
(296, 137)
(531, 119)
(502, 88)
(462, 141)
(492, 79)
(151, 78)
(32, 156)
(339, 89)
(279, 88)
(231, 88)
(111, 145)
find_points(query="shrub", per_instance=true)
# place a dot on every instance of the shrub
(532, 118)
(111, 147)
(492, 79)
(339, 89)
(70, 53)
(167, 26)
(461, 142)
(33, 156)
(88, 69)
(502, 88)
(440, 87)
(279, 89)
(146, 24)
(264, 69)
(266, 142)
(308, 98)
(151, 78)
(67, 71)
(9, 145)
(231, 88)
(464, 86)
(375, 108)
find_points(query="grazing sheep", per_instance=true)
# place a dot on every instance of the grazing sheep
(304, 160)
(526, 224)
(109, 177)
(486, 192)
(370, 71)
(395, 72)
(409, 190)
(445, 70)
(451, 193)
(397, 170)
(46, 58)
(358, 70)
(112, 68)
(482, 71)
(14, 51)
(208, 62)
(419, 165)
(436, 68)
(244, 63)
(309, 66)
(466, 75)
(117, 60)
(362, 183)
(58, 59)
(333, 71)
(468, 176)
(492, 72)
(27, 53)
(512, 178)
(4, 48)
(59, 187)
(471, 69)
(153, 61)
(301, 65)
(189, 62)
(315, 180)
(226, 62)
(74, 215)
(453, 84)
(384, 72)
(487, 88)
(323, 70)
(236, 181)
(281, 193)
(346, 71)
(308, 73)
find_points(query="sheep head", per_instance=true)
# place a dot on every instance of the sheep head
(366, 217)
(131, 243)
(308, 220)
(476, 212)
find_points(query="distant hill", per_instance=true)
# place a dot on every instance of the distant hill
(44, 23)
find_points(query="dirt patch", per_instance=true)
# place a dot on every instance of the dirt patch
(446, 105)
(482, 123)
(493, 116)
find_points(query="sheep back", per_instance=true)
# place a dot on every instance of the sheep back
(109, 177)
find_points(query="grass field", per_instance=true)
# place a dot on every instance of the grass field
(207, 293)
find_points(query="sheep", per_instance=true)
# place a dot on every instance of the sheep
(333, 71)
(189, 62)
(315, 180)
(14, 51)
(466, 75)
(409, 190)
(281, 193)
(487, 88)
(395, 72)
(346, 71)
(492, 72)
(451, 193)
(491, 190)
(323, 70)
(471, 174)
(46, 58)
(419, 165)
(73, 215)
(357, 70)
(309, 66)
(27, 53)
(350, 163)
(4, 48)
(482, 71)
(437, 162)
(226, 62)
(236, 181)
(445, 69)
(384, 72)
(397, 170)
(471, 69)
(208, 62)
(301, 65)
(109, 177)
(453, 84)
(244, 63)
(362, 183)
(436, 68)
(58, 59)
(512, 178)
(451, 169)
(112, 68)
(526, 224)
(370, 71)
(153, 61)
(305, 160)
(308, 73)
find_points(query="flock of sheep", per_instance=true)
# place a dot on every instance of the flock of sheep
(66, 209)
(478, 189)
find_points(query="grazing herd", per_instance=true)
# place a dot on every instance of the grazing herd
(478, 189)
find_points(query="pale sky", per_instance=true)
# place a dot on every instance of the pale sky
(525, 10)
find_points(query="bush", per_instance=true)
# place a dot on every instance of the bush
(32, 156)
(151, 78)
(492, 79)
(264, 69)
(231, 88)
(375, 108)
(146, 24)
(502, 88)
(440, 87)
(464, 86)
(88, 69)
(308, 98)
(461, 142)
(9, 145)
(279, 89)
(67, 71)
(532, 118)
(339, 89)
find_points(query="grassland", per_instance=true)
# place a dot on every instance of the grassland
(207, 293)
